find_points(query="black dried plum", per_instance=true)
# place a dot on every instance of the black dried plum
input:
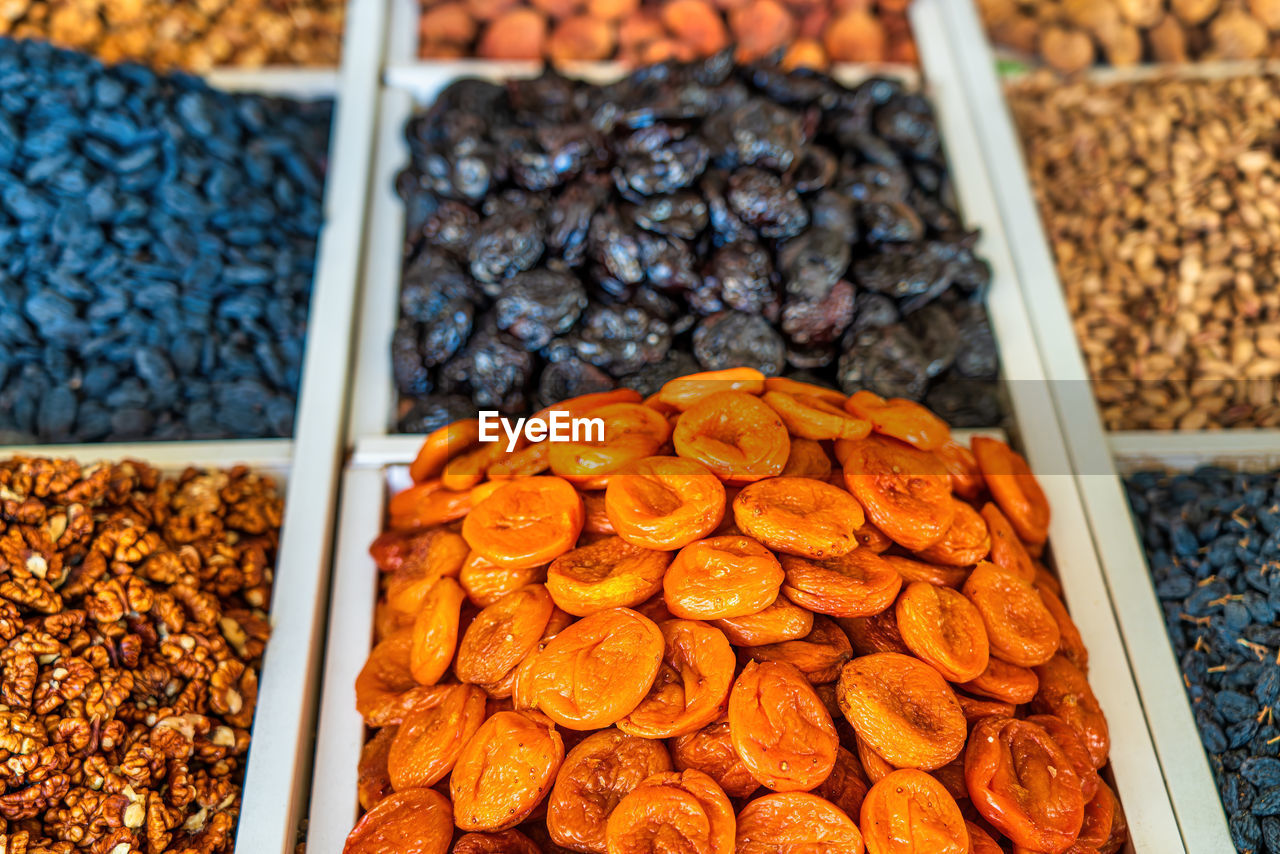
(886, 360)
(569, 218)
(668, 263)
(615, 245)
(431, 282)
(537, 305)
(809, 323)
(976, 357)
(506, 243)
(810, 358)
(680, 214)
(965, 403)
(651, 169)
(938, 335)
(494, 367)
(432, 412)
(732, 339)
(872, 310)
(890, 222)
(412, 377)
(902, 271)
(618, 339)
(649, 379)
(452, 227)
(812, 262)
(739, 276)
(757, 133)
(570, 378)
(765, 202)
(906, 122)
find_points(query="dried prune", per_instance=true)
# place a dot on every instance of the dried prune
(537, 305)
(738, 277)
(732, 338)
(887, 360)
(765, 202)
(620, 340)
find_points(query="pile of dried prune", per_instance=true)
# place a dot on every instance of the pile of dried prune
(157, 247)
(1212, 539)
(564, 238)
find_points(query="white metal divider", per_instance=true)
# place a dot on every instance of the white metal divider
(280, 756)
(1185, 769)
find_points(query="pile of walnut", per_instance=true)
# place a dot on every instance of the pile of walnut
(1159, 198)
(1073, 34)
(639, 32)
(133, 618)
(194, 35)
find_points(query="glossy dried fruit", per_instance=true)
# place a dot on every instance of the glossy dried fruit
(734, 435)
(847, 785)
(1004, 681)
(682, 393)
(1007, 551)
(1073, 746)
(596, 671)
(799, 516)
(426, 556)
(877, 633)
(1013, 487)
(710, 750)
(385, 687)
(486, 582)
(692, 684)
(1065, 692)
(1070, 643)
(664, 502)
(373, 781)
(595, 776)
(796, 823)
(610, 573)
(425, 505)
(856, 584)
(1020, 628)
(810, 416)
(525, 522)
(966, 541)
(903, 709)
(906, 492)
(962, 465)
(428, 742)
(901, 419)
(819, 655)
(502, 634)
(780, 729)
(909, 812)
(680, 811)
(943, 629)
(783, 620)
(435, 631)
(918, 570)
(504, 771)
(1022, 782)
(418, 821)
(631, 432)
(720, 577)
(807, 459)
(502, 842)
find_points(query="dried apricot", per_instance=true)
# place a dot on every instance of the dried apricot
(432, 735)
(799, 516)
(786, 385)
(525, 522)
(734, 435)
(576, 407)
(847, 785)
(819, 655)
(596, 519)
(596, 775)
(856, 584)
(918, 570)
(874, 766)
(502, 842)
(901, 419)
(965, 543)
(877, 633)
(596, 671)
(811, 417)
(449, 441)
(610, 573)
(980, 842)
(807, 459)
(1073, 746)
(796, 823)
(1020, 628)
(780, 728)
(425, 505)
(1004, 681)
(486, 582)
(632, 431)
(432, 554)
(719, 577)
(1099, 821)
(909, 812)
(1007, 551)
(417, 821)
(504, 771)
(903, 709)
(1013, 487)
(975, 709)
(869, 536)
(467, 470)
(525, 462)
(385, 687)
(435, 631)
(951, 776)
(691, 686)
(962, 466)
(781, 621)
(664, 502)
(681, 811)
(683, 393)
(1070, 643)
(373, 782)
(1065, 692)
(943, 629)
(906, 492)
(1020, 780)
(710, 750)
(502, 634)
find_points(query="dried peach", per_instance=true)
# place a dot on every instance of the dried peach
(432, 735)
(943, 629)
(504, 771)
(796, 823)
(905, 491)
(909, 812)
(721, 577)
(781, 621)
(664, 502)
(691, 686)
(1020, 628)
(417, 821)
(681, 811)
(900, 418)
(856, 584)
(780, 728)
(799, 516)
(733, 434)
(1014, 488)
(525, 522)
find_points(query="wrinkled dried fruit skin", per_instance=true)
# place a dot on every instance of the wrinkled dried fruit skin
(710, 750)
(596, 775)
(504, 771)
(428, 742)
(781, 621)
(1020, 628)
(819, 655)
(734, 435)
(525, 522)
(664, 503)
(435, 631)
(1065, 692)
(419, 821)
(780, 729)
(796, 823)
(900, 419)
(1013, 487)
(799, 516)
(611, 573)
(847, 785)
(966, 541)
(692, 685)
(909, 812)
(502, 634)
(944, 629)
(720, 577)
(1070, 643)
(1004, 681)
(503, 842)
(685, 810)
(374, 782)
(857, 584)
(1007, 551)
(904, 491)
(1073, 746)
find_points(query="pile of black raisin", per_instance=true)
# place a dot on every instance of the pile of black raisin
(565, 238)
(157, 247)
(1212, 539)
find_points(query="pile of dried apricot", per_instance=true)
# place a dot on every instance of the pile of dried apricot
(756, 616)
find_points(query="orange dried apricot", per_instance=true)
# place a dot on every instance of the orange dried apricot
(417, 821)
(819, 655)
(525, 522)
(1065, 692)
(856, 584)
(807, 459)
(909, 812)
(1020, 628)
(796, 823)
(799, 516)
(847, 785)
(595, 776)
(692, 684)
(683, 393)
(781, 621)
(877, 633)
(1013, 487)
(385, 687)
(719, 577)
(425, 505)
(966, 541)
(435, 631)
(632, 431)
(486, 582)
(467, 470)
(780, 729)
(1006, 682)
(681, 811)
(664, 502)
(812, 417)
(576, 407)
(1100, 812)
(975, 709)
(373, 782)
(735, 435)
(504, 771)
(943, 629)
(1007, 551)
(906, 492)
(901, 419)
(525, 462)
(1070, 643)
(918, 570)
(980, 842)
(596, 517)
(869, 536)
(428, 556)
(610, 573)
(962, 466)
(502, 842)
(449, 441)
(903, 709)
(1073, 746)
(786, 385)
(596, 671)
(502, 634)
(1023, 784)
(432, 735)
(710, 750)
(874, 766)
